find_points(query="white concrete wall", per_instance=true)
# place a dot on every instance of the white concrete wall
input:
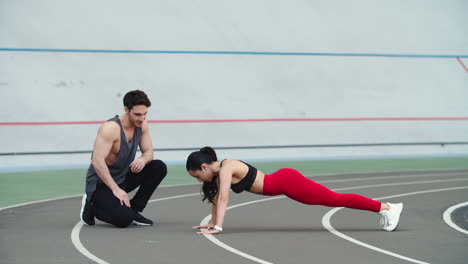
(88, 86)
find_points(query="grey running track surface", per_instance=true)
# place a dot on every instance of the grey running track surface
(257, 228)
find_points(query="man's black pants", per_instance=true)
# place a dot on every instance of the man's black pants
(107, 207)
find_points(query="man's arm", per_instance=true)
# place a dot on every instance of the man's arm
(107, 135)
(146, 147)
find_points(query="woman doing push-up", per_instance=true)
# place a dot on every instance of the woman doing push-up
(220, 176)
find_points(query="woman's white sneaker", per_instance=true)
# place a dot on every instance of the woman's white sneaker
(390, 219)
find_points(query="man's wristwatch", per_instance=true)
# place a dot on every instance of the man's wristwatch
(220, 229)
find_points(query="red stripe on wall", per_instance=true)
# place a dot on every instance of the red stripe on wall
(49, 123)
(462, 64)
(314, 120)
(358, 119)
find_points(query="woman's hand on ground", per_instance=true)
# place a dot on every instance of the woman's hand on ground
(209, 232)
(209, 226)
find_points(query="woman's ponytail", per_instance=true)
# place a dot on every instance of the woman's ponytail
(194, 161)
(210, 189)
(210, 152)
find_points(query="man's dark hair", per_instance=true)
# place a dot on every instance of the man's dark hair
(136, 97)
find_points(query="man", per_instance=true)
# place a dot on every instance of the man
(114, 171)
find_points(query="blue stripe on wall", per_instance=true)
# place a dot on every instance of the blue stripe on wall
(238, 53)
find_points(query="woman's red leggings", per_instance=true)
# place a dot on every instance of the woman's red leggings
(297, 187)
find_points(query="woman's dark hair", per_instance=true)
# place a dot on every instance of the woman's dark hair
(136, 97)
(194, 161)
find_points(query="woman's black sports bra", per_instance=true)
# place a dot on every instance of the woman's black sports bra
(246, 183)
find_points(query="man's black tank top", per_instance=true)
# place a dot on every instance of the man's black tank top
(125, 157)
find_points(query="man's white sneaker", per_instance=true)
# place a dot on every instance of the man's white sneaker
(391, 218)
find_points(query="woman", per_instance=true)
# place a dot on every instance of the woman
(218, 177)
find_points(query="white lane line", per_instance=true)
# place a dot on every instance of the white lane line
(76, 196)
(75, 234)
(173, 197)
(391, 177)
(398, 184)
(326, 223)
(40, 201)
(258, 260)
(75, 238)
(229, 248)
(448, 217)
(217, 242)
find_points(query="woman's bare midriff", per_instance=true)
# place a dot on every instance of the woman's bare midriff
(257, 186)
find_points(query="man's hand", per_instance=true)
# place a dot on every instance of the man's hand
(122, 196)
(137, 165)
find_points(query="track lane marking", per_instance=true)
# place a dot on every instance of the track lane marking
(80, 195)
(75, 234)
(447, 216)
(75, 238)
(326, 223)
(394, 177)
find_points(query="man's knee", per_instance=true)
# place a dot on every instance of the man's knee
(124, 219)
(159, 167)
(122, 216)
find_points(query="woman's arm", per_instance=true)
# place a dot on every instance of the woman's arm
(222, 199)
(213, 214)
(212, 221)
(225, 177)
